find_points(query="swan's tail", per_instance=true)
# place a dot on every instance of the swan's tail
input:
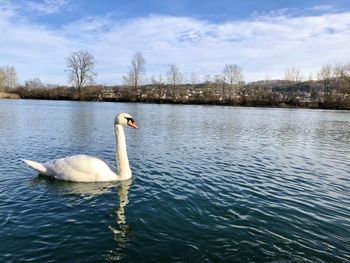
(36, 166)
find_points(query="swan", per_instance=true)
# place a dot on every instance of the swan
(83, 168)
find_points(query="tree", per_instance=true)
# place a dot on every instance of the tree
(80, 67)
(158, 84)
(35, 83)
(194, 79)
(2, 83)
(341, 83)
(174, 78)
(293, 75)
(137, 70)
(346, 73)
(8, 77)
(233, 74)
(173, 74)
(207, 79)
(326, 75)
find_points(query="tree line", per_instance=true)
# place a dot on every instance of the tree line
(331, 89)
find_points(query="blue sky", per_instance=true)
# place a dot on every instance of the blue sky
(200, 37)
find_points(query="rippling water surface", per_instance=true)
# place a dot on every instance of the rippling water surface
(210, 184)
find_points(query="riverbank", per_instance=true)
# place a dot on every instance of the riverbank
(6, 95)
(309, 94)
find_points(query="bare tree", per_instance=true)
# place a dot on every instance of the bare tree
(217, 78)
(153, 80)
(137, 70)
(8, 77)
(346, 73)
(233, 74)
(158, 85)
(35, 83)
(293, 75)
(207, 79)
(80, 68)
(311, 76)
(326, 75)
(2, 80)
(194, 79)
(174, 76)
(336, 84)
(326, 72)
(341, 82)
(219, 84)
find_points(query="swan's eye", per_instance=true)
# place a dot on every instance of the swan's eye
(129, 119)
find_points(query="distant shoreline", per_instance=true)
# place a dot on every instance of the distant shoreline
(7, 95)
(280, 106)
(275, 94)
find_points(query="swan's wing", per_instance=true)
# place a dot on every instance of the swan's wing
(80, 168)
(36, 166)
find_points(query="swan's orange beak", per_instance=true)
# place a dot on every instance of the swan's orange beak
(133, 124)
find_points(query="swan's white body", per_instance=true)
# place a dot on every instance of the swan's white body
(83, 168)
(77, 168)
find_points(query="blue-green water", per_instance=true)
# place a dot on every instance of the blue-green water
(210, 184)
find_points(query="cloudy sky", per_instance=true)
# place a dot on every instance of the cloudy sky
(264, 37)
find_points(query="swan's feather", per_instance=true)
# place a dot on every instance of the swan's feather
(76, 168)
(36, 166)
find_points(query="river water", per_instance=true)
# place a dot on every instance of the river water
(210, 184)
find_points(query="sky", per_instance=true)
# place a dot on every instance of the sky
(264, 37)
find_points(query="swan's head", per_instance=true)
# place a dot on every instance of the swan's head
(125, 119)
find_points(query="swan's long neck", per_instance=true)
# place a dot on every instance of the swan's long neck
(124, 171)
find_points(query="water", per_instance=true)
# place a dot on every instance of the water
(210, 184)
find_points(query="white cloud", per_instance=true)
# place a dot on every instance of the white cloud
(47, 6)
(262, 45)
(323, 8)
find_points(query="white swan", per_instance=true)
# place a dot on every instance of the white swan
(83, 168)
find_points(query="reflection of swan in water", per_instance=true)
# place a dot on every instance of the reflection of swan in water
(92, 189)
(82, 189)
(122, 228)
(123, 190)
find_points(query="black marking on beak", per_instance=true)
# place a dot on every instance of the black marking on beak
(130, 119)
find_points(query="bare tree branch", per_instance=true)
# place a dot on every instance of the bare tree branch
(80, 68)
(137, 70)
(8, 77)
(233, 74)
(173, 74)
(293, 74)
